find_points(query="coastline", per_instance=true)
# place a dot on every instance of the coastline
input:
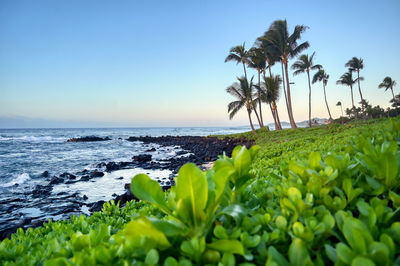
(197, 149)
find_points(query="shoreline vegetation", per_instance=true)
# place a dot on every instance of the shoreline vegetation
(277, 46)
(295, 198)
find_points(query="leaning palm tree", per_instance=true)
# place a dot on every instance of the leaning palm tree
(238, 54)
(256, 60)
(243, 91)
(305, 64)
(322, 76)
(388, 83)
(339, 103)
(347, 80)
(271, 96)
(287, 47)
(356, 64)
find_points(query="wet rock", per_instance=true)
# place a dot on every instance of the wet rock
(151, 150)
(88, 139)
(7, 232)
(42, 191)
(56, 180)
(96, 173)
(68, 175)
(96, 206)
(85, 197)
(45, 174)
(120, 178)
(124, 198)
(112, 166)
(142, 158)
(85, 178)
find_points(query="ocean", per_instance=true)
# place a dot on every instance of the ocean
(25, 154)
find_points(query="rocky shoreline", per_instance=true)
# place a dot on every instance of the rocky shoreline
(199, 150)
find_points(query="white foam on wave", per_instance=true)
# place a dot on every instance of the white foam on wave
(34, 139)
(18, 180)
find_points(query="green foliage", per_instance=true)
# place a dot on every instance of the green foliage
(316, 196)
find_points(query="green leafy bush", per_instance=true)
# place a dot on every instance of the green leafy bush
(319, 196)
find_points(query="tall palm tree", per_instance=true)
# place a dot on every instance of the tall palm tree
(305, 63)
(271, 57)
(347, 80)
(287, 47)
(339, 103)
(256, 60)
(388, 83)
(238, 54)
(271, 95)
(321, 75)
(242, 91)
(356, 64)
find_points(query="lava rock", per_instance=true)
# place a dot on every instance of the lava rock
(45, 174)
(142, 158)
(88, 139)
(96, 173)
(56, 180)
(96, 206)
(85, 178)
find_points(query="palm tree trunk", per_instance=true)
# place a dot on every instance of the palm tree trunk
(341, 108)
(284, 91)
(279, 126)
(309, 98)
(352, 98)
(251, 122)
(391, 88)
(259, 98)
(258, 117)
(359, 89)
(244, 68)
(292, 122)
(329, 112)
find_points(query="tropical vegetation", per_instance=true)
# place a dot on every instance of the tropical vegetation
(305, 64)
(313, 196)
(278, 45)
(388, 83)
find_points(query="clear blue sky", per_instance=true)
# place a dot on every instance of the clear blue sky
(161, 63)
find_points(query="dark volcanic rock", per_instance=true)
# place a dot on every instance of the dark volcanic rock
(96, 173)
(56, 180)
(42, 191)
(88, 138)
(142, 158)
(68, 175)
(203, 149)
(6, 233)
(96, 206)
(45, 174)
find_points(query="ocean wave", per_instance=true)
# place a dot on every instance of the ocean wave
(34, 139)
(18, 180)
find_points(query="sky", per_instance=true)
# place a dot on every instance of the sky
(161, 63)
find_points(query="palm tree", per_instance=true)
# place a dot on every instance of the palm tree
(271, 96)
(355, 64)
(339, 103)
(243, 91)
(238, 54)
(256, 60)
(305, 64)
(271, 57)
(347, 80)
(388, 83)
(287, 47)
(322, 76)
